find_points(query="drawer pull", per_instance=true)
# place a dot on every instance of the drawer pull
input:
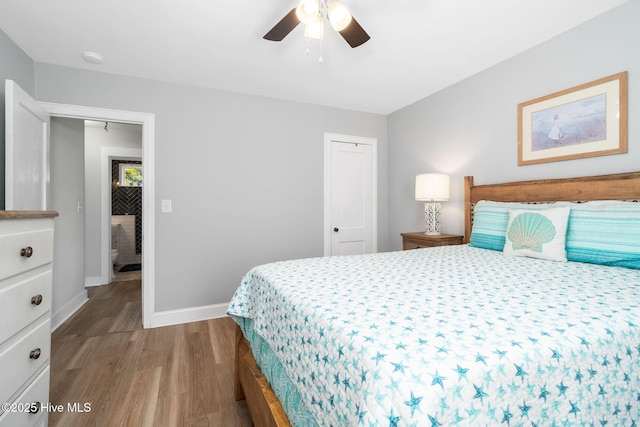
(26, 252)
(36, 299)
(34, 408)
(35, 354)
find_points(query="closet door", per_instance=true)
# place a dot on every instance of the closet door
(26, 151)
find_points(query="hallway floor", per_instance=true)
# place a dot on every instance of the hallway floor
(126, 275)
(171, 376)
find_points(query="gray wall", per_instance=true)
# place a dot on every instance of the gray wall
(17, 66)
(245, 175)
(471, 128)
(67, 190)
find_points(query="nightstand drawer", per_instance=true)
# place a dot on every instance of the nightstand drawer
(419, 240)
(413, 245)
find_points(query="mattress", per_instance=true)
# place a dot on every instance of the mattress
(453, 335)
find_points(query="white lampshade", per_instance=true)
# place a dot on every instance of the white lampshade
(338, 15)
(432, 187)
(307, 11)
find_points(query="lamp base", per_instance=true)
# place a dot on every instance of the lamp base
(432, 218)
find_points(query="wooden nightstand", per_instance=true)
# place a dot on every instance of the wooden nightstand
(419, 240)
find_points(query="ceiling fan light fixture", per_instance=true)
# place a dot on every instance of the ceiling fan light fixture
(312, 13)
(315, 29)
(307, 11)
(338, 15)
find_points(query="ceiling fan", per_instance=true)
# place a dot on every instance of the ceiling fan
(310, 13)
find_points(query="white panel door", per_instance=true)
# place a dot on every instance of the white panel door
(351, 192)
(26, 151)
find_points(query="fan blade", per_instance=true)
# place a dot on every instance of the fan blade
(354, 34)
(284, 27)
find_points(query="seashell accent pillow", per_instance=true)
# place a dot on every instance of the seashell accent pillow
(490, 220)
(537, 233)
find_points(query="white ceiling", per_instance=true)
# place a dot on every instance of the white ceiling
(417, 47)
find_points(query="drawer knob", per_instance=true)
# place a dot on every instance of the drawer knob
(26, 252)
(34, 408)
(36, 299)
(35, 354)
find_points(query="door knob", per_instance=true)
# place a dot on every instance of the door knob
(336, 229)
(26, 252)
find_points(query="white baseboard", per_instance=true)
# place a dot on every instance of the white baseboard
(93, 281)
(158, 319)
(186, 315)
(68, 309)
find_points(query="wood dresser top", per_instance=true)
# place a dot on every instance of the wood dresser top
(27, 214)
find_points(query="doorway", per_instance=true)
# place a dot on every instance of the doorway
(109, 148)
(147, 121)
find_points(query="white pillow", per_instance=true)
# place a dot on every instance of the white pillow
(537, 233)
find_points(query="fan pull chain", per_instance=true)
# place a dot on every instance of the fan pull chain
(308, 50)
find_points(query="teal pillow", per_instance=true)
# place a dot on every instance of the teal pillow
(604, 232)
(490, 220)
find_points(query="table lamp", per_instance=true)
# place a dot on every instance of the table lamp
(432, 188)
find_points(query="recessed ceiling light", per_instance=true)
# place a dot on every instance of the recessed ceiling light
(92, 57)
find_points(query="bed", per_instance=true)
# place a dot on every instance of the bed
(456, 335)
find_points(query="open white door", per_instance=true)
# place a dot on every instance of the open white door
(26, 151)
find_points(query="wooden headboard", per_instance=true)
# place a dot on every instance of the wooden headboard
(621, 186)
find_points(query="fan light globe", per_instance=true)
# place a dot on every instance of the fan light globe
(338, 15)
(315, 30)
(307, 11)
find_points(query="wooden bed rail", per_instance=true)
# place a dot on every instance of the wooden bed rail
(250, 383)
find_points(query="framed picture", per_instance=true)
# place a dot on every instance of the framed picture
(584, 121)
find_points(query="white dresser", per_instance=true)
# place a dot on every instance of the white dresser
(26, 255)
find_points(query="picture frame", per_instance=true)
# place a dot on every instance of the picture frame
(583, 121)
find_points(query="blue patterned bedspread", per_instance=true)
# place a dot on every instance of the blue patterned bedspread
(452, 336)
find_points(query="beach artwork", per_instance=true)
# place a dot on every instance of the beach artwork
(573, 123)
(583, 121)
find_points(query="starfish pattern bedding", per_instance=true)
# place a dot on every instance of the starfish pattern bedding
(452, 336)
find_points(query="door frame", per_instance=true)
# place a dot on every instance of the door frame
(147, 120)
(329, 139)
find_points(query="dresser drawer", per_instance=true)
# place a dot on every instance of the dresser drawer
(23, 358)
(23, 302)
(23, 251)
(38, 393)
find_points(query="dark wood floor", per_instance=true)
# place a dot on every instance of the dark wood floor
(173, 376)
